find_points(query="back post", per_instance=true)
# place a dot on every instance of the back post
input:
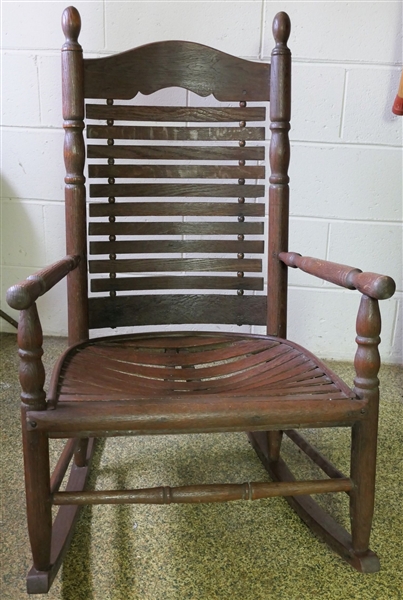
(280, 112)
(74, 159)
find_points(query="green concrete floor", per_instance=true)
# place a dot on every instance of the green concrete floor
(240, 550)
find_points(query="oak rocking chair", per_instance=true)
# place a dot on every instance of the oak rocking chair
(154, 259)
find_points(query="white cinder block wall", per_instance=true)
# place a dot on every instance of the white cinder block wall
(346, 166)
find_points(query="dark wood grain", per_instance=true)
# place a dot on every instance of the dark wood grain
(175, 113)
(192, 190)
(184, 309)
(169, 246)
(183, 171)
(149, 265)
(184, 209)
(177, 283)
(135, 228)
(177, 152)
(194, 67)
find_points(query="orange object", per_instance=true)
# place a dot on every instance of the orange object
(397, 108)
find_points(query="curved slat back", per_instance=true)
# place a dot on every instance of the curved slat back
(192, 176)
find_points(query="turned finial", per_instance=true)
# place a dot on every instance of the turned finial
(71, 24)
(281, 28)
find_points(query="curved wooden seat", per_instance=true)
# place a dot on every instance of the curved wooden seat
(185, 364)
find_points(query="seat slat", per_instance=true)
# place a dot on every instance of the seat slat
(194, 134)
(169, 190)
(167, 246)
(175, 113)
(177, 228)
(183, 171)
(177, 282)
(177, 152)
(176, 309)
(184, 209)
(143, 265)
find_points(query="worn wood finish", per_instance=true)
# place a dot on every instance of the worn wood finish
(192, 66)
(39, 582)
(379, 287)
(186, 171)
(24, 294)
(280, 112)
(364, 436)
(198, 494)
(319, 521)
(74, 158)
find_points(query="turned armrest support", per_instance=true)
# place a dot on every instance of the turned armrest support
(24, 294)
(379, 287)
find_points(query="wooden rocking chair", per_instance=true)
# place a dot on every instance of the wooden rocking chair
(154, 260)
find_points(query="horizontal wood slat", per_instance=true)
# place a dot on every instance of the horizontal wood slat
(184, 209)
(177, 228)
(142, 265)
(176, 309)
(183, 171)
(175, 113)
(177, 152)
(176, 282)
(188, 65)
(167, 246)
(194, 134)
(171, 190)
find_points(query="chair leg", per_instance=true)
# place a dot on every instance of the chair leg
(363, 465)
(39, 507)
(319, 521)
(42, 574)
(80, 455)
(269, 442)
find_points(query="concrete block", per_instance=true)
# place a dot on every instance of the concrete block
(375, 247)
(33, 166)
(368, 117)
(20, 94)
(308, 238)
(55, 231)
(23, 234)
(37, 25)
(340, 31)
(323, 321)
(346, 182)
(233, 27)
(50, 90)
(317, 101)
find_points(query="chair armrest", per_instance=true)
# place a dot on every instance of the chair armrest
(379, 287)
(24, 294)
